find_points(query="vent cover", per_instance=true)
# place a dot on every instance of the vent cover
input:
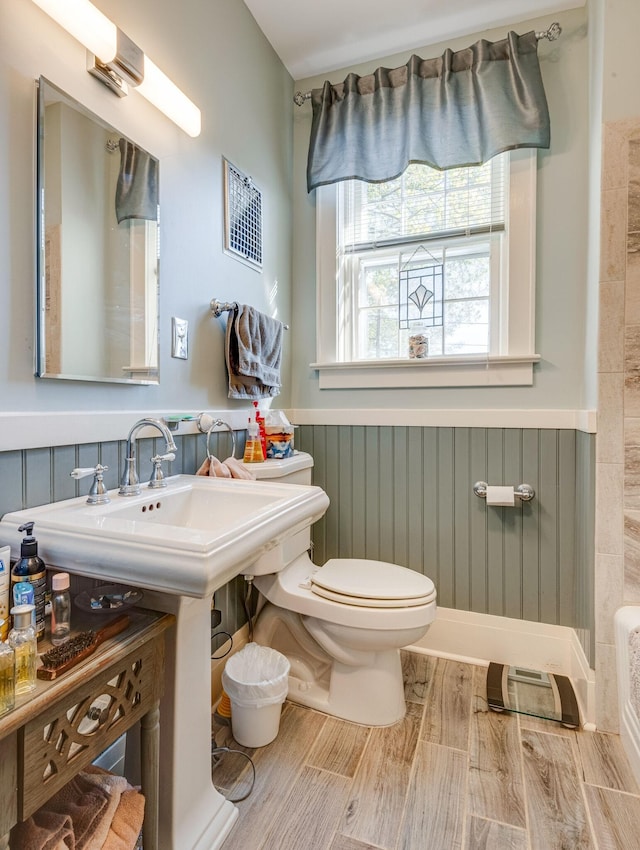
(242, 217)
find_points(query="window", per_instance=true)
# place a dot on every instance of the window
(448, 253)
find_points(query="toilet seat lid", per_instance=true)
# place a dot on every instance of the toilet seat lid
(373, 584)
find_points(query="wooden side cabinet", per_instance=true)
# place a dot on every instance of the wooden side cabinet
(61, 727)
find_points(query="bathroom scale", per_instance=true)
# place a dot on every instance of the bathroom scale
(547, 696)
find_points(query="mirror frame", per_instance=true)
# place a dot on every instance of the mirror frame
(41, 259)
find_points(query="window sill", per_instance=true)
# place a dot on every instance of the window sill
(477, 371)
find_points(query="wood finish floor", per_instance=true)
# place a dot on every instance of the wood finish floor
(452, 775)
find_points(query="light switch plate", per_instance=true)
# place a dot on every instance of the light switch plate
(179, 338)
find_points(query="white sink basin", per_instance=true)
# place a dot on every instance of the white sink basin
(189, 538)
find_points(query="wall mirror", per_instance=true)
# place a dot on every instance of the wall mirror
(98, 260)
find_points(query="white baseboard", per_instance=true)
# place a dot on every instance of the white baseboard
(482, 638)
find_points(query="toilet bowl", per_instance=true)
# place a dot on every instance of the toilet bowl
(340, 625)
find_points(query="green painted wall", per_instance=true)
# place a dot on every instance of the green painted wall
(561, 246)
(405, 495)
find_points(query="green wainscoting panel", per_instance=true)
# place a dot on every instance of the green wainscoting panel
(405, 494)
(38, 476)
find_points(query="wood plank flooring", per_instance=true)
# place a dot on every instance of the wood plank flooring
(452, 775)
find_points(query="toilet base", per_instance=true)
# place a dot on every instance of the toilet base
(371, 697)
(371, 694)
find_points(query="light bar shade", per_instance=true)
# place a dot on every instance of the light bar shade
(99, 35)
(167, 97)
(85, 23)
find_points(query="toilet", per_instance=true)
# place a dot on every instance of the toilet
(340, 625)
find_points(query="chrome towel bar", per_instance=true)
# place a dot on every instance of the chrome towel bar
(220, 307)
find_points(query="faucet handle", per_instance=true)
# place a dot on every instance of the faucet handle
(157, 476)
(98, 492)
(83, 471)
(160, 458)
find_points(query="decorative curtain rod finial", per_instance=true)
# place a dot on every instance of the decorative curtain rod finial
(553, 33)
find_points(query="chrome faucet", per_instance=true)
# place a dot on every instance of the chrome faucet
(130, 482)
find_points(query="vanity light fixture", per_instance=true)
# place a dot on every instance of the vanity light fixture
(119, 63)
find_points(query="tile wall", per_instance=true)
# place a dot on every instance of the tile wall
(617, 579)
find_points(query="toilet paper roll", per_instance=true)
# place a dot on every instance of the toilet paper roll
(500, 496)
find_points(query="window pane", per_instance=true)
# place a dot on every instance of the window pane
(420, 178)
(467, 288)
(424, 213)
(467, 277)
(466, 327)
(378, 336)
(424, 201)
(428, 218)
(378, 285)
(435, 336)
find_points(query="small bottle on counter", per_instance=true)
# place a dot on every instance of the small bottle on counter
(60, 608)
(7, 677)
(261, 429)
(23, 595)
(22, 639)
(5, 590)
(31, 568)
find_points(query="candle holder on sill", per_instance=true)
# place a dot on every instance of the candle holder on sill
(418, 345)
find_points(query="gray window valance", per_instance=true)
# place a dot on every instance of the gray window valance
(457, 110)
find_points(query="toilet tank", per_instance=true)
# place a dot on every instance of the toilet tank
(289, 470)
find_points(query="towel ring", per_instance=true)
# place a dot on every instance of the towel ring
(205, 428)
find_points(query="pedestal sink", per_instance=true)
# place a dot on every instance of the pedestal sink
(180, 544)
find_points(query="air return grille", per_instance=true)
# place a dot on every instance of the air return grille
(243, 217)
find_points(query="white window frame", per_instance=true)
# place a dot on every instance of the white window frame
(512, 365)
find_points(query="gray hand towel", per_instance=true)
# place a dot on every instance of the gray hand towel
(137, 187)
(253, 353)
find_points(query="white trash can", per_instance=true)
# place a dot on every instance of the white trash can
(256, 680)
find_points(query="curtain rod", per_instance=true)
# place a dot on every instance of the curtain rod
(551, 34)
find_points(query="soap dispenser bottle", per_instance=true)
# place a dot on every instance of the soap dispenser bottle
(253, 446)
(31, 568)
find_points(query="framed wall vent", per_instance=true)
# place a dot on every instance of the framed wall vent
(242, 217)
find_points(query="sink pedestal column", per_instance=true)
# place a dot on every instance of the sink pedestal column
(193, 815)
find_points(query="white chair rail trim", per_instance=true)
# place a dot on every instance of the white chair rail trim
(37, 429)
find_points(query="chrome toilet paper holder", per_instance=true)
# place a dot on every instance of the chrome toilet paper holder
(524, 492)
